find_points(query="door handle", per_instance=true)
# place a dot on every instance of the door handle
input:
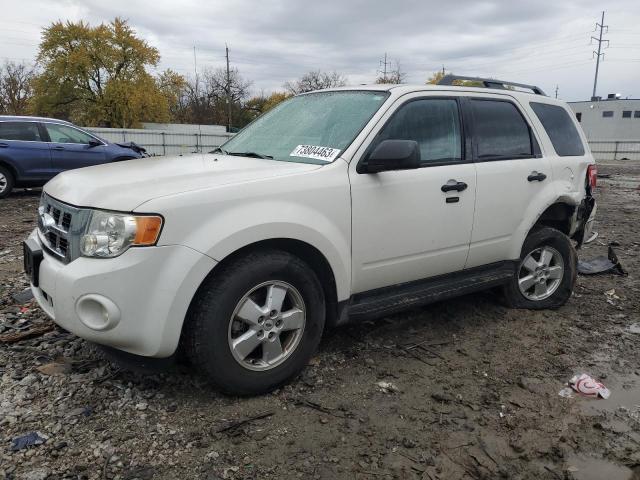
(58, 147)
(535, 176)
(4, 145)
(452, 185)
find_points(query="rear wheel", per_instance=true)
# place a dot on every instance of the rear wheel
(255, 323)
(6, 182)
(546, 272)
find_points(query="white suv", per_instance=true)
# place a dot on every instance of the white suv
(336, 205)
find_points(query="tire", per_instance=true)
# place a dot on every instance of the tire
(214, 322)
(553, 292)
(6, 182)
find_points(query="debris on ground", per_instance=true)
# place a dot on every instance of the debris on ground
(387, 387)
(23, 297)
(235, 425)
(28, 440)
(609, 264)
(589, 387)
(60, 366)
(34, 331)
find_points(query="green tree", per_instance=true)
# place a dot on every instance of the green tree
(98, 75)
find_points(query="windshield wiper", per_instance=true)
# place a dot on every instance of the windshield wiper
(249, 154)
(218, 150)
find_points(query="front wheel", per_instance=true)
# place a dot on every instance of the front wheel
(256, 322)
(546, 272)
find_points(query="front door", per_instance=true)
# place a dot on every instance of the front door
(404, 226)
(71, 148)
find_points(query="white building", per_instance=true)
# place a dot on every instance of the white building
(612, 126)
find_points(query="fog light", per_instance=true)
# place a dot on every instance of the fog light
(97, 312)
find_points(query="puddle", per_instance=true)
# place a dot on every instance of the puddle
(624, 399)
(583, 467)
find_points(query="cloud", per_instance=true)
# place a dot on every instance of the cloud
(544, 42)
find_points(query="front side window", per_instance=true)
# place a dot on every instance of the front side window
(311, 128)
(500, 131)
(433, 123)
(626, 114)
(64, 134)
(560, 128)
(23, 131)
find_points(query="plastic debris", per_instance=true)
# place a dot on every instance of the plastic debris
(387, 387)
(634, 328)
(566, 392)
(609, 264)
(28, 440)
(589, 387)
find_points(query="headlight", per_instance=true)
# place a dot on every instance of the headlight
(111, 234)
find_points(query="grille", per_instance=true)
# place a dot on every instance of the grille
(60, 226)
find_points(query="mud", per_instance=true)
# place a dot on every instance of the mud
(477, 388)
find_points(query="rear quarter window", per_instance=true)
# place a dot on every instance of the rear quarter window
(560, 128)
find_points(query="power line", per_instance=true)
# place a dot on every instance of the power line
(602, 26)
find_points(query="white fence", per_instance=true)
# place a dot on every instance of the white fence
(615, 149)
(159, 142)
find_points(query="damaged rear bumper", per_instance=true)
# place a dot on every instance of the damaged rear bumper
(584, 220)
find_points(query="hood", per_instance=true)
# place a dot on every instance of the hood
(125, 185)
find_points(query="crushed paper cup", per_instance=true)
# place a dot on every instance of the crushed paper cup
(589, 387)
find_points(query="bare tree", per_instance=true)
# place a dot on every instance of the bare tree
(16, 88)
(315, 80)
(395, 76)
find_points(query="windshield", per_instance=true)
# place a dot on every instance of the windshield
(311, 128)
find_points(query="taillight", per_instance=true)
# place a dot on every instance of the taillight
(592, 176)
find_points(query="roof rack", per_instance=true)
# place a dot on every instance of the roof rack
(490, 83)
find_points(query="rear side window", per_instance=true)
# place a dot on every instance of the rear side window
(24, 131)
(500, 131)
(560, 128)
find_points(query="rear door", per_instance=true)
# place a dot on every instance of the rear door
(511, 173)
(22, 145)
(71, 148)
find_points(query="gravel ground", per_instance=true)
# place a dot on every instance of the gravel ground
(462, 389)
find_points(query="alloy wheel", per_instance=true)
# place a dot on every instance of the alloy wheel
(267, 325)
(540, 273)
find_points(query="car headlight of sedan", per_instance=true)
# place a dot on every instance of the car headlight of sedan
(110, 234)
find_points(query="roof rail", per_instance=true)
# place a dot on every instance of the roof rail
(490, 83)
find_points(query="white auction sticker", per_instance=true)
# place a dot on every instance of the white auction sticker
(327, 154)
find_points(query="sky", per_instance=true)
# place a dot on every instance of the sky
(543, 42)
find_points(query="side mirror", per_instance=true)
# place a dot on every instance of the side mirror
(94, 143)
(392, 155)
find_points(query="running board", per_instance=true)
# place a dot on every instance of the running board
(388, 300)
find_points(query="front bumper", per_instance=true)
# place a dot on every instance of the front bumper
(136, 302)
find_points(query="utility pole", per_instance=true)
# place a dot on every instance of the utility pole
(228, 90)
(556, 91)
(384, 64)
(602, 27)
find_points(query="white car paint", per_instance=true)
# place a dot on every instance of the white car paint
(374, 230)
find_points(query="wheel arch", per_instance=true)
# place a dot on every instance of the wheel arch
(558, 215)
(12, 169)
(308, 253)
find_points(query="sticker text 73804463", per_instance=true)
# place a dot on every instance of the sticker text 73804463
(327, 154)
